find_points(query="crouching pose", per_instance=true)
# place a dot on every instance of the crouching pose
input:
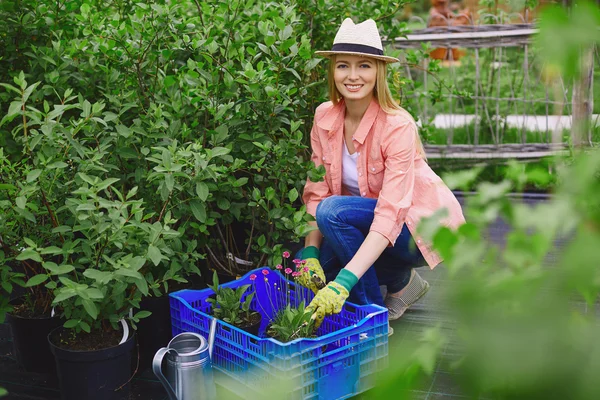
(377, 186)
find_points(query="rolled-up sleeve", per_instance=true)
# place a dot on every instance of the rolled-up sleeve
(314, 192)
(396, 195)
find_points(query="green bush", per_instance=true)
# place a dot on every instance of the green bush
(147, 137)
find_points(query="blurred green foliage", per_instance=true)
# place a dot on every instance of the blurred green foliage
(524, 314)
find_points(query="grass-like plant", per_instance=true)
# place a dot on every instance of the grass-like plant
(292, 323)
(227, 304)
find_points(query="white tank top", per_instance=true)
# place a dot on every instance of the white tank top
(350, 172)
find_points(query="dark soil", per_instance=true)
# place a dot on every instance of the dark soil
(25, 311)
(254, 319)
(82, 341)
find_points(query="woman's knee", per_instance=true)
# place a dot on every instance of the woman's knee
(328, 210)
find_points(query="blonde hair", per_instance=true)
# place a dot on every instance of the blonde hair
(382, 94)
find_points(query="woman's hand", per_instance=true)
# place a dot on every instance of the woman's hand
(314, 278)
(327, 301)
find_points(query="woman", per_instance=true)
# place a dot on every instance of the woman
(377, 186)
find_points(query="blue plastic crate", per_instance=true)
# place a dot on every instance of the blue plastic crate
(342, 361)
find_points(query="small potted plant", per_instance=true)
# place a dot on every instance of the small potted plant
(292, 323)
(231, 306)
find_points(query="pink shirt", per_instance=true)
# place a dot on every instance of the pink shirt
(389, 170)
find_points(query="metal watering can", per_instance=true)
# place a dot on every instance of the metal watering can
(188, 374)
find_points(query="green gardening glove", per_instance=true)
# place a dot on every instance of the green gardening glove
(330, 299)
(314, 279)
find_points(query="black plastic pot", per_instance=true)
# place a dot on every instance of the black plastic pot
(154, 331)
(94, 375)
(30, 344)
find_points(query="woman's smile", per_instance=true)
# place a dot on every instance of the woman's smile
(353, 88)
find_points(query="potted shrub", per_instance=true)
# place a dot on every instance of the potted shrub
(27, 308)
(92, 244)
(231, 306)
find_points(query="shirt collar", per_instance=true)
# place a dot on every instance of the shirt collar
(335, 117)
(367, 121)
(332, 118)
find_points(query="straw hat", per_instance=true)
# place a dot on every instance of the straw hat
(358, 39)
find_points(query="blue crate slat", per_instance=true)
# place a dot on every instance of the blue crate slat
(342, 361)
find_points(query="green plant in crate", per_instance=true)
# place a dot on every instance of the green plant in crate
(292, 323)
(227, 304)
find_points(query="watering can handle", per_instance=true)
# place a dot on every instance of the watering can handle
(157, 369)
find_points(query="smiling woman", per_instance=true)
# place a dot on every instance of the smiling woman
(377, 185)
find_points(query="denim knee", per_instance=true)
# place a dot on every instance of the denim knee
(327, 210)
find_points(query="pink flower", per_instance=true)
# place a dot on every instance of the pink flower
(252, 277)
(288, 270)
(279, 266)
(295, 274)
(286, 254)
(305, 269)
(296, 261)
(265, 272)
(303, 262)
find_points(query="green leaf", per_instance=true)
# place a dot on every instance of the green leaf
(128, 272)
(240, 182)
(142, 314)
(270, 193)
(63, 295)
(107, 182)
(198, 210)
(100, 276)
(33, 175)
(85, 327)
(21, 202)
(72, 323)
(223, 204)
(219, 151)
(94, 293)
(142, 285)
(202, 190)
(293, 195)
(90, 307)
(29, 254)
(154, 254)
(57, 165)
(169, 181)
(36, 280)
(261, 240)
(58, 269)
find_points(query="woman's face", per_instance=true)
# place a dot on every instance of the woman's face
(355, 76)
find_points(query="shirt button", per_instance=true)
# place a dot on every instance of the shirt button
(324, 158)
(408, 222)
(364, 193)
(418, 241)
(353, 138)
(358, 153)
(373, 169)
(360, 174)
(401, 172)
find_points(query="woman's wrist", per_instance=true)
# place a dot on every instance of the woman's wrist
(310, 252)
(346, 278)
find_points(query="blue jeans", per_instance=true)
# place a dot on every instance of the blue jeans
(344, 222)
